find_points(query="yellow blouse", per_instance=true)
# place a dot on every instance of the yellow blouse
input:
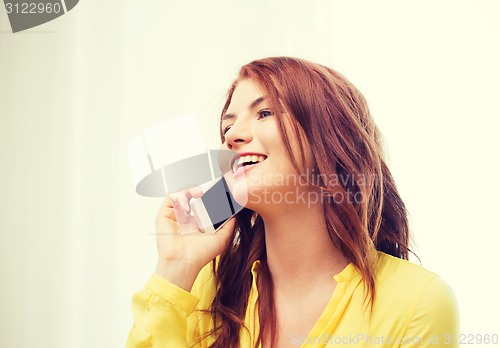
(413, 307)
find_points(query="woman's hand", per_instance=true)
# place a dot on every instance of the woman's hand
(181, 256)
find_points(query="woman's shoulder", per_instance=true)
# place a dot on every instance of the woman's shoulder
(419, 300)
(391, 268)
(411, 286)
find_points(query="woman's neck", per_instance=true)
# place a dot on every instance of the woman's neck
(300, 253)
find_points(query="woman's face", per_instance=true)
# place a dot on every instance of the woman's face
(263, 170)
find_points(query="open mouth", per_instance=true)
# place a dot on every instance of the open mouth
(247, 160)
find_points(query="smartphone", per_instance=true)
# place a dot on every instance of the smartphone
(215, 207)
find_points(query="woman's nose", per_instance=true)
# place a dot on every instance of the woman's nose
(239, 133)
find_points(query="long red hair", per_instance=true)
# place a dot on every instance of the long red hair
(345, 143)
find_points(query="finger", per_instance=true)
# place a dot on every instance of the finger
(181, 200)
(166, 213)
(182, 216)
(167, 202)
(166, 209)
(167, 227)
(166, 222)
(170, 214)
(196, 192)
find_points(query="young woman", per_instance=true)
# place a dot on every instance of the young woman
(318, 256)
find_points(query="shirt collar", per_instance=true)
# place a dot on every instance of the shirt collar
(348, 273)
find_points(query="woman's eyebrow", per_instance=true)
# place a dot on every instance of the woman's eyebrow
(253, 104)
(227, 117)
(256, 102)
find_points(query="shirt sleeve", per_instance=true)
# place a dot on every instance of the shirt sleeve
(435, 322)
(165, 315)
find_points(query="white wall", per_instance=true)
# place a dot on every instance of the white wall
(76, 241)
(430, 72)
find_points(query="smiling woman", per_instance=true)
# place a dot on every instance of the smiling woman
(310, 261)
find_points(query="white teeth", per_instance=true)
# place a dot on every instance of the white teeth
(248, 158)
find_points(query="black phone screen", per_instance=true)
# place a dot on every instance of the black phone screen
(220, 203)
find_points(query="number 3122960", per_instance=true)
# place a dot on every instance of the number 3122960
(27, 8)
(471, 339)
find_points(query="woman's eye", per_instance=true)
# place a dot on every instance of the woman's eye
(226, 130)
(265, 113)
